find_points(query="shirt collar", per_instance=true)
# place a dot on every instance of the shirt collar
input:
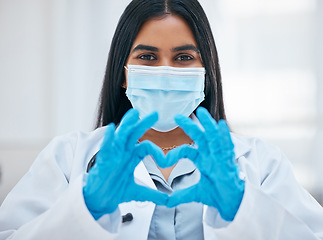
(183, 166)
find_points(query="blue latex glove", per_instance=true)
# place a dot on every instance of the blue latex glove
(219, 185)
(111, 180)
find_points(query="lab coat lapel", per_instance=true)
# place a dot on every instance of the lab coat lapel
(142, 176)
(141, 211)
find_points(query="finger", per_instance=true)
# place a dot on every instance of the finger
(141, 127)
(208, 123)
(106, 143)
(211, 129)
(206, 119)
(108, 135)
(186, 195)
(227, 146)
(146, 148)
(126, 125)
(143, 193)
(191, 129)
(225, 136)
(183, 151)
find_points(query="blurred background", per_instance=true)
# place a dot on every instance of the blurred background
(53, 55)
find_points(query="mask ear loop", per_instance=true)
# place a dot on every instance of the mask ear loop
(124, 84)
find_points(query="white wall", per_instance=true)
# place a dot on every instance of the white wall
(269, 53)
(53, 55)
(317, 153)
(25, 122)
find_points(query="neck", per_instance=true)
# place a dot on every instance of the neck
(168, 140)
(175, 137)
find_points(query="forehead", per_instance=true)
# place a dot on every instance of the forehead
(168, 31)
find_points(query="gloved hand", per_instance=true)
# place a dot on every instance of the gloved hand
(111, 180)
(219, 185)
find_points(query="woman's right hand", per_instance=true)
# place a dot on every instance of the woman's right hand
(111, 180)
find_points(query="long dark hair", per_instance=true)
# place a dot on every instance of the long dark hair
(113, 102)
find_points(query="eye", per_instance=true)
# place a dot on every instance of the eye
(147, 57)
(184, 58)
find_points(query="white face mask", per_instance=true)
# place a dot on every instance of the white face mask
(167, 90)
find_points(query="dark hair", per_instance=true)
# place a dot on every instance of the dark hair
(113, 100)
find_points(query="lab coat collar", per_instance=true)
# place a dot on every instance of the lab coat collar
(240, 147)
(142, 176)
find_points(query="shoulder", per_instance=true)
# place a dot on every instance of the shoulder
(73, 140)
(258, 158)
(246, 145)
(71, 152)
(81, 135)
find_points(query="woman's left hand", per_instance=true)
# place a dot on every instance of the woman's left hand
(219, 185)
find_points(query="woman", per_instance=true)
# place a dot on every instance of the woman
(160, 175)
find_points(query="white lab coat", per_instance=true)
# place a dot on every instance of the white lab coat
(48, 203)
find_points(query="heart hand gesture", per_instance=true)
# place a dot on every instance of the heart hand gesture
(111, 180)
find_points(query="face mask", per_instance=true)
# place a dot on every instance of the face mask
(167, 90)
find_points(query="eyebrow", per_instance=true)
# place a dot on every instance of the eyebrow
(175, 49)
(145, 47)
(186, 47)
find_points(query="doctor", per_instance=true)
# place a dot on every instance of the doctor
(160, 175)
